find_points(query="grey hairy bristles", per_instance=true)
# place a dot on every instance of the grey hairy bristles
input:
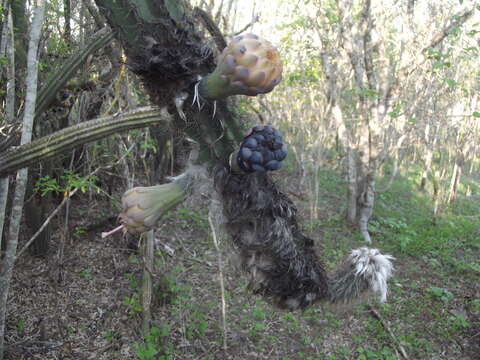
(280, 262)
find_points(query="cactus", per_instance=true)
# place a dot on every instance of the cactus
(249, 65)
(73, 136)
(58, 79)
(262, 150)
(144, 206)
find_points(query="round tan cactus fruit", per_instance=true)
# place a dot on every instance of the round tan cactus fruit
(256, 62)
(249, 65)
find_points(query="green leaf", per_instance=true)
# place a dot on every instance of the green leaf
(476, 114)
(440, 293)
(450, 82)
(474, 267)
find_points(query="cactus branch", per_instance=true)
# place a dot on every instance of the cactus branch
(57, 80)
(73, 136)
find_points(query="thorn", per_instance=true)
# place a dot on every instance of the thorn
(223, 130)
(214, 109)
(196, 97)
(179, 100)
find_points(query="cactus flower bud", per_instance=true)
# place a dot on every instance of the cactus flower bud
(249, 65)
(144, 206)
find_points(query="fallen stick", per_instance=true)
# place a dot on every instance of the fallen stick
(222, 285)
(384, 323)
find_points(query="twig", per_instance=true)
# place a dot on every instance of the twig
(222, 285)
(64, 201)
(211, 27)
(148, 247)
(384, 323)
(251, 23)
(64, 239)
(46, 222)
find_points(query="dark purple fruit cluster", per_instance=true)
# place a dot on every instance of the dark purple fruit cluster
(262, 150)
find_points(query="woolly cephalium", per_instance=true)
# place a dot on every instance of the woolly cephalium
(280, 261)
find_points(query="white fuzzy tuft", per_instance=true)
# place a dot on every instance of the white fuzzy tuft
(374, 267)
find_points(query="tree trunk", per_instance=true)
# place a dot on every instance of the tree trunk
(352, 194)
(36, 211)
(20, 26)
(67, 16)
(22, 175)
(455, 180)
(427, 169)
(9, 114)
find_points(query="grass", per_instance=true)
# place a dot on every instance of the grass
(433, 299)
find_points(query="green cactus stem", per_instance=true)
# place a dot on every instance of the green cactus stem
(58, 80)
(73, 136)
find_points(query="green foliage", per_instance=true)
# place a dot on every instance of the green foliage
(188, 218)
(475, 304)
(197, 324)
(57, 46)
(46, 185)
(397, 110)
(79, 231)
(310, 74)
(133, 303)
(385, 353)
(258, 313)
(132, 259)
(153, 347)
(133, 280)
(149, 144)
(3, 61)
(67, 182)
(86, 274)
(111, 336)
(72, 181)
(20, 326)
(439, 293)
(458, 323)
(451, 83)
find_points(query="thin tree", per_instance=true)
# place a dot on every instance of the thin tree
(22, 175)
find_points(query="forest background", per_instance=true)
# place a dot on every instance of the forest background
(379, 106)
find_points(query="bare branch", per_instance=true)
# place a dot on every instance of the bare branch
(457, 21)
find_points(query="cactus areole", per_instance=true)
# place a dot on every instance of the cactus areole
(249, 65)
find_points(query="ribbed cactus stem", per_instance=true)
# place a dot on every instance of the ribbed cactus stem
(58, 80)
(73, 136)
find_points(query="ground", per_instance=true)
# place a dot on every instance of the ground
(89, 308)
